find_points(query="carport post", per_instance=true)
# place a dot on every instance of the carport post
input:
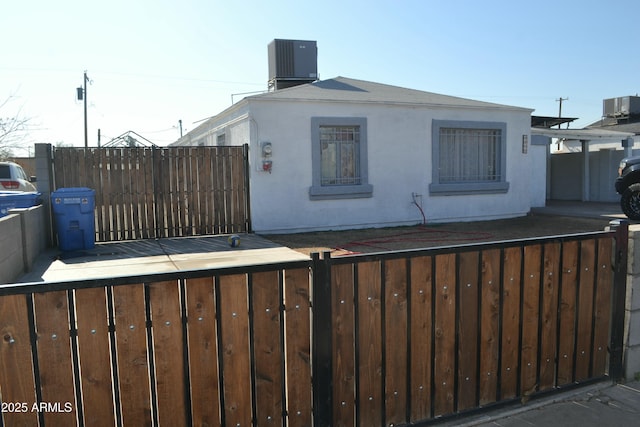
(586, 184)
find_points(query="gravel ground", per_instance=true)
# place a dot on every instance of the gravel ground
(427, 236)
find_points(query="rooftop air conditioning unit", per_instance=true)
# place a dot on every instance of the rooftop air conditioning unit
(622, 106)
(292, 62)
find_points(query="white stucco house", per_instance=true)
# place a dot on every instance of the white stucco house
(345, 153)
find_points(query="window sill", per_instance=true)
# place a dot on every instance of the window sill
(468, 188)
(341, 192)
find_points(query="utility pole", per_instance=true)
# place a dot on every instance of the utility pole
(180, 123)
(82, 95)
(560, 109)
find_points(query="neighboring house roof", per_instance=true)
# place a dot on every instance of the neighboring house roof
(582, 134)
(611, 123)
(342, 89)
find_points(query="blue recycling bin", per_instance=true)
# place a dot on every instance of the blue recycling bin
(17, 199)
(73, 209)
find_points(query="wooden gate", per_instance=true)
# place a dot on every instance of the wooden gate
(404, 338)
(144, 193)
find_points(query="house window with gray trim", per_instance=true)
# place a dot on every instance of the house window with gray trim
(339, 158)
(469, 157)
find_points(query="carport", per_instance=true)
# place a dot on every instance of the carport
(586, 136)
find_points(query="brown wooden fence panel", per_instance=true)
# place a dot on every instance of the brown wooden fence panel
(396, 335)
(17, 383)
(266, 343)
(445, 334)
(530, 319)
(236, 356)
(54, 357)
(132, 357)
(567, 315)
(549, 315)
(343, 329)
(584, 332)
(94, 354)
(298, 362)
(489, 325)
(371, 399)
(168, 351)
(602, 310)
(160, 192)
(468, 330)
(421, 296)
(511, 291)
(203, 352)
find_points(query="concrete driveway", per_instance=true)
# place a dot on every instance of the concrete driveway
(157, 256)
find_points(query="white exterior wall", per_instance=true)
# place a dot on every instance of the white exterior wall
(399, 164)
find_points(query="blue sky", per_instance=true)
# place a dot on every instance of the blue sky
(153, 63)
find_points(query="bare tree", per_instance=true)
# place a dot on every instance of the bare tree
(13, 129)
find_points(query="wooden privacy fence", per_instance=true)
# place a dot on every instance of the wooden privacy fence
(384, 339)
(160, 192)
(420, 335)
(170, 350)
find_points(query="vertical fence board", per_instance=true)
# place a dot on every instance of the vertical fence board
(490, 326)
(567, 315)
(167, 185)
(584, 331)
(134, 193)
(203, 352)
(228, 189)
(238, 190)
(602, 309)
(268, 354)
(147, 165)
(396, 324)
(234, 309)
(530, 318)
(371, 400)
(54, 355)
(445, 334)
(510, 322)
(202, 189)
(343, 340)
(421, 337)
(95, 356)
(549, 315)
(468, 330)
(298, 325)
(182, 200)
(17, 383)
(98, 177)
(167, 346)
(132, 358)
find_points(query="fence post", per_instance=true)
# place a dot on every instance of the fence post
(621, 229)
(45, 184)
(322, 348)
(247, 194)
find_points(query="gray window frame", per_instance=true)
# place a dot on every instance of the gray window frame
(317, 191)
(437, 188)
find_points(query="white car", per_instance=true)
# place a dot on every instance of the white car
(13, 178)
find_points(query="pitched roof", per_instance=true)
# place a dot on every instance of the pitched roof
(342, 89)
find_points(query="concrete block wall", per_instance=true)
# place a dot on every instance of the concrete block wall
(22, 239)
(632, 309)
